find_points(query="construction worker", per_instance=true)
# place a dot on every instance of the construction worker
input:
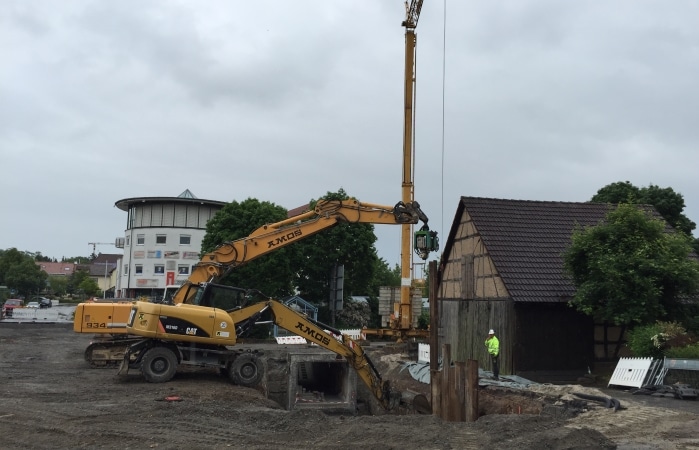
(493, 345)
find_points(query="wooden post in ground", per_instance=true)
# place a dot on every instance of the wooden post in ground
(435, 376)
(459, 409)
(436, 385)
(447, 374)
(471, 390)
(434, 317)
(452, 412)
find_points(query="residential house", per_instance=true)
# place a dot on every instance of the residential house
(103, 269)
(57, 269)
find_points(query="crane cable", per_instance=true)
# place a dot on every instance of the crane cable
(414, 94)
(412, 144)
(444, 72)
(444, 58)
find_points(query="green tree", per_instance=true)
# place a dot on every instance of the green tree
(89, 287)
(41, 258)
(19, 272)
(628, 270)
(74, 281)
(349, 244)
(9, 258)
(272, 274)
(667, 202)
(423, 322)
(59, 285)
(670, 205)
(384, 276)
(619, 192)
(75, 259)
(26, 278)
(655, 339)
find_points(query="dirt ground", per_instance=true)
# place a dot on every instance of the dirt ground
(50, 398)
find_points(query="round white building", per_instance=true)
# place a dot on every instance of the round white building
(162, 241)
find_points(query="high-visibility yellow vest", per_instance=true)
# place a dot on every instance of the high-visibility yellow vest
(493, 345)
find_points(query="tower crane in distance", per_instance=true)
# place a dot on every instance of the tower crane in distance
(94, 247)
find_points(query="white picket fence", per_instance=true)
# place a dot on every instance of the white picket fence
(355, 333)
(423, 353)
(290, 340)
(638, 372)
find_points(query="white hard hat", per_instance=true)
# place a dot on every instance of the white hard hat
(491, 332)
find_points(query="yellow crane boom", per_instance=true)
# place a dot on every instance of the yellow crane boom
(403, 312)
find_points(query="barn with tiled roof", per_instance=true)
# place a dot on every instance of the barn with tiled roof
(502, 268)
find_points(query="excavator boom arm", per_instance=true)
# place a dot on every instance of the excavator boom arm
(316, 333)
(271, 237)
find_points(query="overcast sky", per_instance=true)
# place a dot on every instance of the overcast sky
(284, 101)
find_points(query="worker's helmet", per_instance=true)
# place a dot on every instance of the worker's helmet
(491, 332)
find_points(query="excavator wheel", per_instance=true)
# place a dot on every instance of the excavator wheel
(246, 370)
(159, 365)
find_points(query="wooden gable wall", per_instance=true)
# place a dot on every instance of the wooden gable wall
(473, 299)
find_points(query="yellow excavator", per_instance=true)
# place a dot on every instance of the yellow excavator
(206, 317)
(205, 330)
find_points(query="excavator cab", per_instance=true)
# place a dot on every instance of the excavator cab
(218, 296)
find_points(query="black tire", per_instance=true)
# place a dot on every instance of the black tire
(246, 370)
(159, 365)
(88, 352)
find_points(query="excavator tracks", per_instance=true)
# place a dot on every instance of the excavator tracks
(104, 353)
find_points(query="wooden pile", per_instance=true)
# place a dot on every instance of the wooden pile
(455, 386)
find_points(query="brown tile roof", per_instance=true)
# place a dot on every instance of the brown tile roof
(57, 268)
(526, 240)
(99, 269)
(107, 257)
(298, 210)
(103, 261)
